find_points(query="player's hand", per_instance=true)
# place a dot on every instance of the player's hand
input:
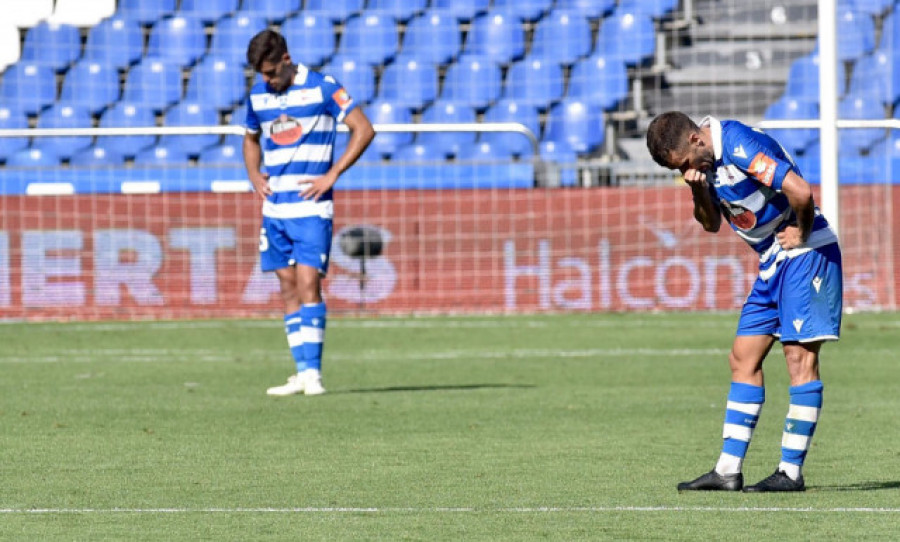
(695, 178)
(317, 188)
(260, 183)
(789, 238)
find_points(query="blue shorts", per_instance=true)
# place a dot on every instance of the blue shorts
(802, 302)
(287, 241)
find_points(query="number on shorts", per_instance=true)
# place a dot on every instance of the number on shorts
(263, 240)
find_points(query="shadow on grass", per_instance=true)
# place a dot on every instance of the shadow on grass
(859, 486)
(458, 387)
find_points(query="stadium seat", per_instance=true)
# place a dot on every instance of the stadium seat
(788, 108)
(498, 36)
(484, 151)
(89, 84)
(10, 45)
(576, 124)
(117, 43)
(856, 32)
(654, 8)
(160, 155)
(527, 10)
(432, 37)
(534, 82)
(146, 12)
(472, 80)
(82, 13)
(229, 41)
(371, 155)
(878, 73)
(417, 152)
(562, 37)
(372, 39)
(190, 114)
(97, 156)
(310, 38)
(153, 84)
(592, 9)
(411, 84)
(863, 106)
(463, 10)
(629, 35)
(599, 81)
(447, 143)
(35, 158)
(63, 116)
(810, 163)
(400, 10)
(356, 77)
(217, 83)
(511, 111)
(273, 11)
(177, 40)
(874, 7)
(11, 118)
(25, 87)
(385, 112)
(239, 116)
(803, 78)
(127, 115)
(226, 153)
(208, 11)
(27, 13)
(560, 153)
(54, 45)
(336, 10)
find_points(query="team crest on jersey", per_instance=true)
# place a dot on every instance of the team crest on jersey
(763, 168)
(286, 130)
(743, 218)
(341, 98)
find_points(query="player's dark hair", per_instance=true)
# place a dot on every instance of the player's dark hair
(668, 132)
(268, 45)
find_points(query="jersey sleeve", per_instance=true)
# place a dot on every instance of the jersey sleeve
(760, 157)
(251, 122)
(338, 101)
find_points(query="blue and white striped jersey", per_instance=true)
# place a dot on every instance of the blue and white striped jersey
(298, 129)
(750, 168)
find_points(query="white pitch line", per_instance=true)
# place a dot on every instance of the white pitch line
(441, 510)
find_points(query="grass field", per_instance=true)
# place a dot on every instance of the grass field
(572, 427)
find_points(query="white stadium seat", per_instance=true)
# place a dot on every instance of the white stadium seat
(27, 13)
(82, 12)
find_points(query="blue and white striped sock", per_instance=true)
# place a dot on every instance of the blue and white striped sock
(745, 402)
(312, 331)
(295, 342)
(803, 414)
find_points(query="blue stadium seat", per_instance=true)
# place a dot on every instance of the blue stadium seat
(273, 11)
(447, 143)
(63, 116)
(372, 39)
(534, 82)
(310, 38)
(11, 118)
(97, 155)
(592, 9)
(810, 163)
(154, 84)
(90, 84)
(629, 35)
(127, 115)
(55, 45)
(356, 77)
(190, 114)
(788, 108)
(463, 10)
(498, 36)
(116, 42)
(384, 112)
(575, 123)
(472, 80)
(432, 37)
(890, 32)
(860, 106)
(511, 111)
(232, 35)
(560, 152)
(208, 11)
(336, 10)
(146, 11)
(803, 78)
(654, 8)
(874, 7)
(562, 37)
(32, 158)
(28, 86)
(856, 32)
(484, 151)
(527, 10)
(217, 83)
(878, 73)
(599, 81)
(226, 153)
(411, 84)
(371, 155)
(160, 155)
(177, 40)
(400, 10)
(417, 152)
(239, 116)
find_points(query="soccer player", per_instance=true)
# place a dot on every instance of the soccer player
(745, 176)
(291, 124)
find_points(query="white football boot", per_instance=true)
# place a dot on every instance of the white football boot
(295, 384)
(312, 382)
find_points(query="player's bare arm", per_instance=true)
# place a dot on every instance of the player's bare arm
(361, 134)
(252, 161)
(706, 211)
(799, 195)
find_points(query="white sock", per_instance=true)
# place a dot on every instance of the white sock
(792, 470)
(729, 464)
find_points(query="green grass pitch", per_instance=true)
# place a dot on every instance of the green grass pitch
(568, 427)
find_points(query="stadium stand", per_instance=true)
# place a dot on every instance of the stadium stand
(400, 10)
(25, 87)
(218, 83)
(32, 158)
(125, 114)
(336, 10)
(53, 45)
(116, 42)
(534, 82)
(497, 36)
(177, 40)
(357, 77)
(274, 11)
(312, 35)
(563, 37)
(232, 34)
(511, 143)
(97, 156)
(599, 81)
(576, 125)
(161, 155)
(463, 10)
(458, 82)
(373, 39)
(186, 113)
(593, 9)
(146, 12)
(153, 84)
(432, 37)
(208, 11)
(411, 84)
(89, 84)
(13, 119)
(795, 140)
(447, 143)
(527, 10)
(63, 116)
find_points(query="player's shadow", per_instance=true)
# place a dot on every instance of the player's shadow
(859, 486)
(449, 387)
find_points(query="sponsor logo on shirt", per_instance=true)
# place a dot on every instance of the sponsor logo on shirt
(763, 168)
(341, 98)
(286, 130)
(744, 219)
